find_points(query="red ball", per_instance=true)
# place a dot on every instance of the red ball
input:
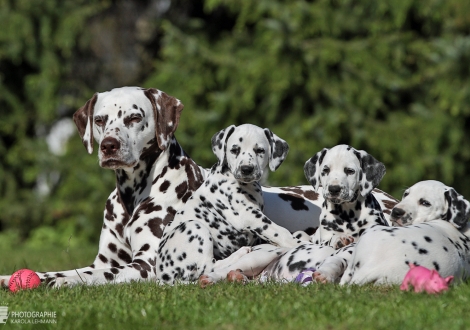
(23, 279)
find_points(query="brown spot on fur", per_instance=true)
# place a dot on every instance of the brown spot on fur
(309, 194)
(152, 150)
(194, 174)
(84, 115)
(120, 229)
(389, 205)
(109, 210)
(168, 111)
(164, 186)
(155, 226)
(170, 215)
(387, 195)
(181, 189)
(145, 207)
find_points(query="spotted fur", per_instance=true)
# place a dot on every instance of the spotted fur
(348, 177)
(346, 213)
(226, 212)
(436, 237)
(154, 177)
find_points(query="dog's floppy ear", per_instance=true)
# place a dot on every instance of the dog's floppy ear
(167, 112)
(83, 119)
(312, 169)
(219, 143)
(372, 171)
(278, 149)
(458, 208)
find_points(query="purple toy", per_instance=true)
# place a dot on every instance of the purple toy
(423, 279)
(305, 277)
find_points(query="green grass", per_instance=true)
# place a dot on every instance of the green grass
(226, 306)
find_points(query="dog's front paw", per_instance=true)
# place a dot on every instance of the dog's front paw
(343, 241)
(237, 276)
(320, 278)
(69, 281)
(4, 281)
(59, 282)
(205, 280)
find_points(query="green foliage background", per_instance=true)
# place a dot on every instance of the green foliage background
(389, 77)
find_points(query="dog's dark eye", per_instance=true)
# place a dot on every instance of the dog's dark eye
(406, 193)
(259, 150)
(326, 170)
(424, 203)
(99, 121)
(349, 171)
(235, 150)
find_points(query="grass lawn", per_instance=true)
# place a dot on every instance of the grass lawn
(225, 306)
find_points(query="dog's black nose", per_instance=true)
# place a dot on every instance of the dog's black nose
(110, 145)
(247, 169)
(334, 190)
(397, 213)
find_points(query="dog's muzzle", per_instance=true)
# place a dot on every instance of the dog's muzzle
(338, 195)
(247, 174)
(399, 217)
(111, 157)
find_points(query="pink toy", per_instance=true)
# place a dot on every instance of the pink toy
(23, 279)
(423, 279)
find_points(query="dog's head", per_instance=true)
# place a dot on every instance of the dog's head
(344, 173)
(431, 200)
(248, 149)
(126, 122)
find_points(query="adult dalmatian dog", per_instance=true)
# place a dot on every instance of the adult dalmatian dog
(348, 177)
(154, 178)
(435, 235)
(226, 212)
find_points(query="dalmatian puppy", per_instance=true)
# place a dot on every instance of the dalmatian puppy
(348, 177)
(436, 236)
(226, 212)
(154, 178)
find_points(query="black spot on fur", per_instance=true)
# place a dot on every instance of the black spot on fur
(123, 255)
(103, 258)
(112, 247)
(114, 270)
(108, 276)
(297, 203)
(297, 266)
